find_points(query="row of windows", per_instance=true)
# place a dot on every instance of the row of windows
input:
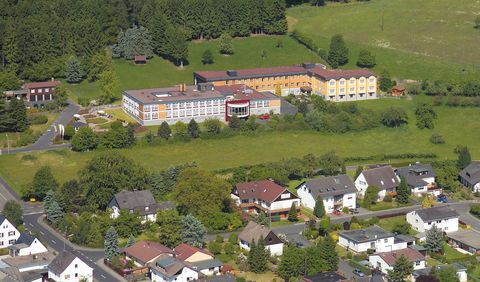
(10, 233)
(195, 104)
(10, 242)
(352, 81)
(264, 79)
(40, 90)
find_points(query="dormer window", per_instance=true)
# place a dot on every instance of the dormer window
(146, 208)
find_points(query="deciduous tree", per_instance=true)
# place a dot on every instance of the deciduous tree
(84, 140)
(13, 212)
(193, 129)
(164, 131)
(226, 45)
(366, 59)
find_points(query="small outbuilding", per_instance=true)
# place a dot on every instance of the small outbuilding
(140, 60)
(398, 91)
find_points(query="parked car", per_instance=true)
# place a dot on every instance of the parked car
(353, 211)
(442, 198)
(264, 117)
(358, 272)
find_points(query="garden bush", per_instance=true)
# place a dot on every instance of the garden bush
(437, 139)
(38, 119)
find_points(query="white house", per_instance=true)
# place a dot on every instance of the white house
(8, 233)
(443, 217)
(337, 192)
(254, 231)
(264, 196)
(66, 267)
(27, 245)
(374, 238)
(470, 176)
(460, 269)
(385, 261)
(420, 178)
(384, 178)
(203, 260)
(141, 201)
(168, 269)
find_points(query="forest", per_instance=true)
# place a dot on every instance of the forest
(38, 37)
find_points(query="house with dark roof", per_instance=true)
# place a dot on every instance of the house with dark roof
(264, 196)
(420, 178)
(443, 217)
(169, 269)
(337, 192)
(145, 252)
(385, 261)
(373, 238)
(384, 178)
(466, 239)
(68, 267)
(328, 276)
(8, 233)
(203, 260)
(460, 270)
(141, 201)
(254, 232)
(470, 176)
(26, 245)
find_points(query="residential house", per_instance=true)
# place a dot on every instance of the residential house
(328, 276)
(383, 178)
(420, 178)
(8, 233)
(169, 269)
(146, 252)
(28, 264)
(460, 269)
(66, 267)
(26, 245)
(254, 232)
(35, 93)
(470, 176)
(264, 196)
(218, 278)
(337, 192)
(141, 201)
(203, 260)
(385, 261)
(467, 240)
(374, 238)
(443, 217)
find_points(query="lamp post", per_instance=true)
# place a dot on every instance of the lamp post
(8, 144)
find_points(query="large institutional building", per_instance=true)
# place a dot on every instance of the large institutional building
(334, 85)
(199, 102)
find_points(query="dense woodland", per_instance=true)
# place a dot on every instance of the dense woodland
(39, 36)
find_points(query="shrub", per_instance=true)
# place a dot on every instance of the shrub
(475, 209)
(387, 199)
(219, 239)
(38, 119)
(437, 139)
(215, 247)
(370, 251)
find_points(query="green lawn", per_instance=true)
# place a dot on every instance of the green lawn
(120, 115)
(455, 124)
(420, 39)
(97, 120)
(390, 222)
(161, 73)
(451, 253)
(380, 206)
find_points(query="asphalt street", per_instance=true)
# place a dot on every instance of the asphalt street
(45, 141)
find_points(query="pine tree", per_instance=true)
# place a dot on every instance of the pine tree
(358, 171)
(207, 57)
(54, 213)
(193, 129)
(73, 70)
(292, 214)
(257, 260)
(111, 243)
(401, 270)
(130, 242)
(329, 256)
(18, 115)
(338, 53)
(403, 191)
(193, 232)
(319, 210)
(49, 197)
(226, 45)
(464, 158)
(433, 240)
(6, 120)
(164, 131)
(234, 122)
(292, 263)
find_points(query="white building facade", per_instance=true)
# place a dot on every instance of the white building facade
(8, 233)
(443, 217)
(373, 238)
(186, 274)
(74, 271)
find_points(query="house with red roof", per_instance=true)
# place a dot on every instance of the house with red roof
(146, 252)
(201, 259)
(264, 196)
(385, 261)
(36, 93)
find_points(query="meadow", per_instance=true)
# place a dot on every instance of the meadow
(457, 125)
(433, 39)
(162, 73)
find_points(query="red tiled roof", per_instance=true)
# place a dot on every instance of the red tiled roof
(264, 189)
(184, 251)
(146, 251)
(140, 58)
(338, 74)
(253, 72)
(49, 83)
(391, 257)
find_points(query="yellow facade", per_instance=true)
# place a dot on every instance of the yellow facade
(344, 86)
(162, 111)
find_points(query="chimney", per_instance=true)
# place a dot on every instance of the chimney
(53, 79)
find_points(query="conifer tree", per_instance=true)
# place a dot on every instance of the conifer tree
(164, 131)
(193, 231)
(319, 210)
(193, 129)
(54, 212)
(73, 70)
(292, 214)
(464, 158)
(358, 171)
(111, 243)
(234, 122)
(328, 255)
(433, 240)
(258, 260)
(338, 53)
(292, 263)
(207, 57)
(401, 270)
(18, 115)
(130, 242)
(403, 191)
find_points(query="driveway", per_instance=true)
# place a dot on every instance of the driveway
(45, 141)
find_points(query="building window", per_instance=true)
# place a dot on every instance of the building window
(385, 240)
(76, 265)
(11, 242)
(332, 83)
(11, 233)
(40, 90)
(32, 91)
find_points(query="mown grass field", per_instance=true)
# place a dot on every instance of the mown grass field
(433, 39)
(457, 125)
(161, 73)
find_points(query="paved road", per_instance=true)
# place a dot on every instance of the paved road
(45, 141)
